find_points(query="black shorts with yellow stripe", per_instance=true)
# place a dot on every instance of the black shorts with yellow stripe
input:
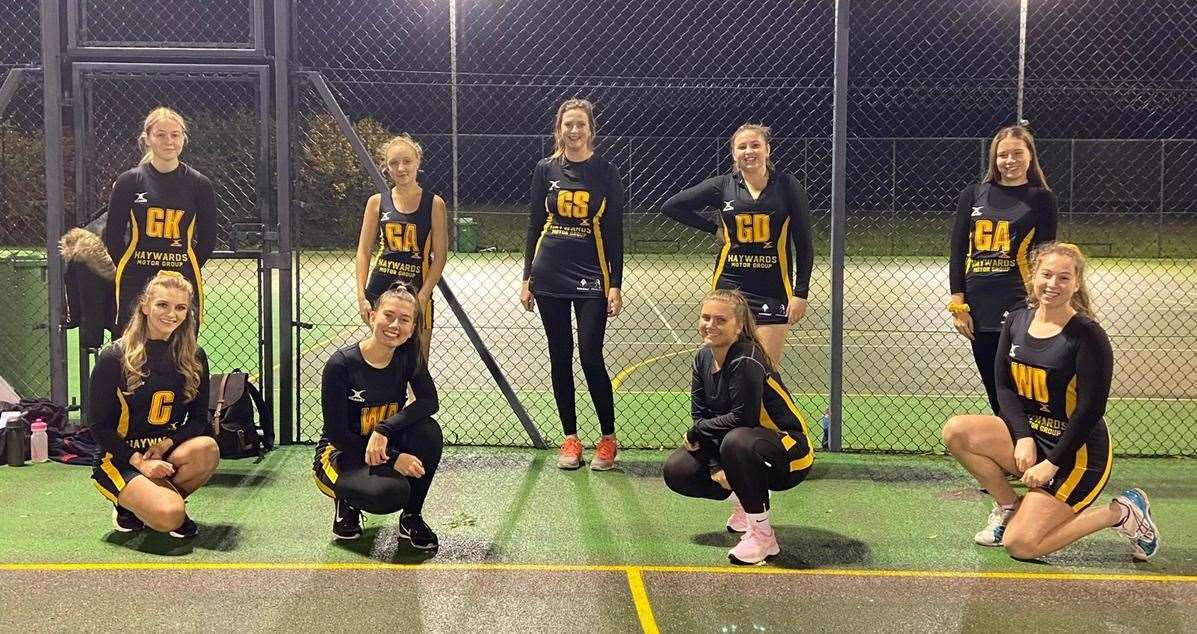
(324, 467)
(111, 476)
(1080, 480)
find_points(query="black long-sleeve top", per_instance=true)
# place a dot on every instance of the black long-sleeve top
(170, 218)
(125, 422)
(359, 399)
(769, 247)
(743, 392)
(1056, 389)
(993, 232)
(574, 245)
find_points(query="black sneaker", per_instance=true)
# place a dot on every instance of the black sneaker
(125, 520)
(415, 529)
(186, 530)
(347, 521)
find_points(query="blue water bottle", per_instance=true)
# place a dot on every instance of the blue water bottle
(826, 428)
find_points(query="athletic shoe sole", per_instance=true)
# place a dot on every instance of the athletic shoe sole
(737, 562)
(345, 537)
(566, 466)
(602, 466)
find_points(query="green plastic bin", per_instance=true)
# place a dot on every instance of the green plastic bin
(467, 235)
(24, 339)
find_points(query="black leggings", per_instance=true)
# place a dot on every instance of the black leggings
(984, 354)
(381, 490)
(592, 327)
(754, 461)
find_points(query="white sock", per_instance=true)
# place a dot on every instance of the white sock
(1126, 513)
(761, 522)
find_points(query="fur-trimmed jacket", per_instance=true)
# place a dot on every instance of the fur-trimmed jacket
(90, 287)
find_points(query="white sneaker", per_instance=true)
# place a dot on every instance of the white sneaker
(1139, 528)
(991, 535)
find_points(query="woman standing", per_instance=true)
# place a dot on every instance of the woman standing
(998, 222)
(410, 231)
(764, 224)
(573, 258)
(166, 209)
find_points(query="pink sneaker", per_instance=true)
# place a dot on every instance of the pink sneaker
(738, 522)
(754, 548)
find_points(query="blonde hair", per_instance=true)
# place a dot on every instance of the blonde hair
(743, 314)
(766, 135)
(1081, 301)
(403, 138)
(183, 345)
(156, 116)
(406, 293)
(566, 106)
(1022, 132)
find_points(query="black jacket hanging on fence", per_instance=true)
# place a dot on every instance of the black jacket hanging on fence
(89, 273)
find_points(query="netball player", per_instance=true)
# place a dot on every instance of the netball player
(149, 412)
(1053, 367)
(161, 216)
(764, 224)
(998, 222)
(410, 230)
(748, 436)
(378, 453)
(574, 259)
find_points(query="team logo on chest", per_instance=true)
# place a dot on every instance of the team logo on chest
(977, 211)
(729, 205)
(141, 197)
(358, 396)
(554, 185)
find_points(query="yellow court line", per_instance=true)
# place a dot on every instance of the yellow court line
(253, 378)
(623, 374)
(626, 569)
(644, 609)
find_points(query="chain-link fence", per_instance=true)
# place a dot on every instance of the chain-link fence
(210, 24)
(664, 114)
(24, 338)
(1109, 88)
(930, 82)
(225, 142)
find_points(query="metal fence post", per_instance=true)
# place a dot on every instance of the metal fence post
(55, 203)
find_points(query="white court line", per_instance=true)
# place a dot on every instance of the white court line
(668, 325)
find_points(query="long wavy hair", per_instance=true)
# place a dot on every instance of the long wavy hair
(1022, 132)
(1081, 301)
(566, 106)
(183, 345)
(156, 116)
(407, 293)
(743, 313)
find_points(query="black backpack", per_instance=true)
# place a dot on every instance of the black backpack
(232, 400)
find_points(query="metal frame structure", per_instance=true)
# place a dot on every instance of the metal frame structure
(84, 59)
(79, 48)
